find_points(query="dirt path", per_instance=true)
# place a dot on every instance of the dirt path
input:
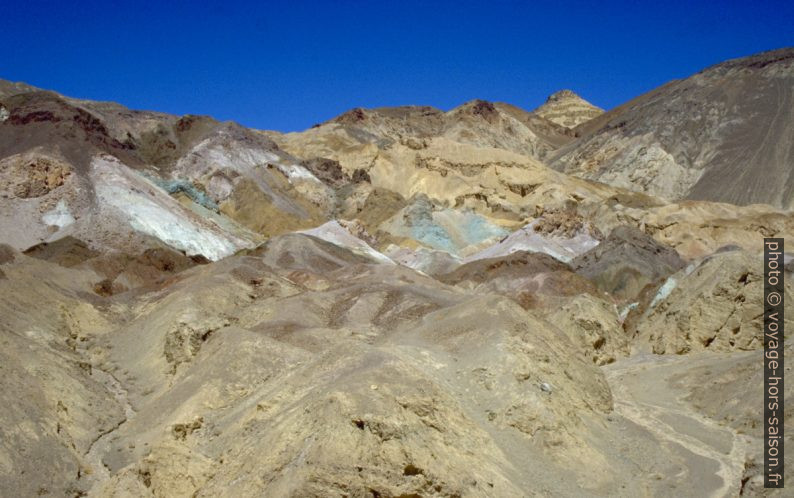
(712, 454)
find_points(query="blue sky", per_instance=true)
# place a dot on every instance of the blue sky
(288, 65)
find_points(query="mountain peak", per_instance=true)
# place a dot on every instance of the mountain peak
(567, 109)
(563, 95)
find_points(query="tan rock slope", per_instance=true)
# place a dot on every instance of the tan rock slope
(715, 303)
(310, 378)
(723, 134)
(479, 123)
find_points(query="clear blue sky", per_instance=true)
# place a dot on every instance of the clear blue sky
(288, 65)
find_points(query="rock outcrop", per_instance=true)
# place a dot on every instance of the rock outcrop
(626, 261)
(713, 304)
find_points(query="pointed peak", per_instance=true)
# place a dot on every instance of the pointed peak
(567, 109)
(564, 94)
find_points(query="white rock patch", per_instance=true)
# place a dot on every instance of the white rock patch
(150, 211)
(527, 239)
(59, 216)
(664, 291)
(336, 234)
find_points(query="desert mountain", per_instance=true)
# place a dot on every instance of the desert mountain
(723, 134)
(396, 302)
(108, 175)
(479, 123)
(567, 109)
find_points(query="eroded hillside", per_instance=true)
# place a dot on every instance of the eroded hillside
(398, 302)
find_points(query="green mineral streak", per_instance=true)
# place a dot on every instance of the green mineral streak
(186, 187)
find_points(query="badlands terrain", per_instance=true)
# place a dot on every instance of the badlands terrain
(397, 302)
